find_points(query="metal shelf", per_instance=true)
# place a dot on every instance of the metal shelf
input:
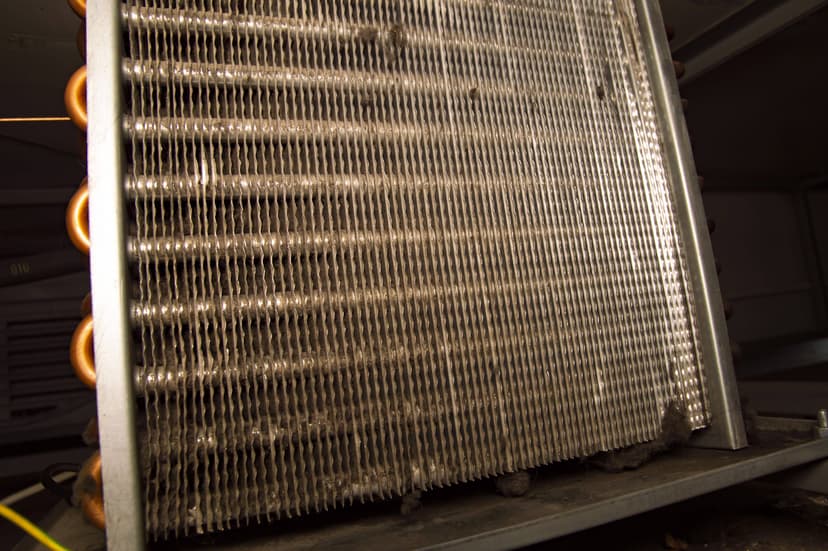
(564, 498)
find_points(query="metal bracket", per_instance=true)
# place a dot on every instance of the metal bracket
(727, 428)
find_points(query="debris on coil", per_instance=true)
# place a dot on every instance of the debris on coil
(513, 484)
(675, 431)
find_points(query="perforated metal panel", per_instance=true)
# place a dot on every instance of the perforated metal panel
(388, 245)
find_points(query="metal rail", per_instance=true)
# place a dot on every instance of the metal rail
(563, 499)
(116, 400)
(727, 429)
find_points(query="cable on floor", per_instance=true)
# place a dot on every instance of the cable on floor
(27, 526)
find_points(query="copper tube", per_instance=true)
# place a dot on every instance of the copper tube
(81, 353)
(75, 98)
(34, 119)
(77, 218)
(86, 305)
(78, 6)
(92, 503)
(92, 507)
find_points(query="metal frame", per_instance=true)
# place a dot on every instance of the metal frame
(640, 501)
(709, 55)
(559, 503)
(812, 477)
(108, 267)
(116, 399)
(727, 427)
(561, 500)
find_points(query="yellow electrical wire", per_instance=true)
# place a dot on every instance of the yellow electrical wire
(24, 524)
(35, 119)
